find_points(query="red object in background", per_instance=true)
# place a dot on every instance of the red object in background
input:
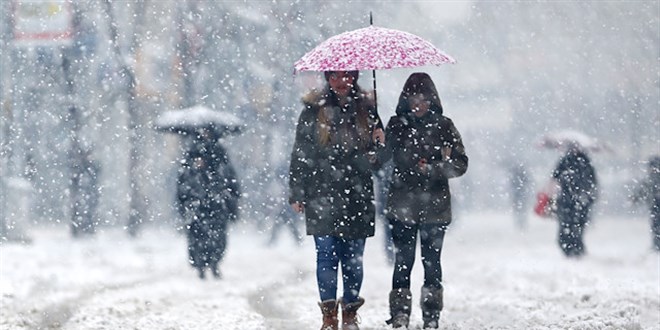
(542, 207)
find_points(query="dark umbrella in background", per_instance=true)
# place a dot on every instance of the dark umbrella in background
(201, 129)
(194, 120)
(564, 139)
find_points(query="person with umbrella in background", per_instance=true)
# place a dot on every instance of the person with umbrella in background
(202, 131)
(208, 194)
(578, 190)
(331, 181)
(427, 150)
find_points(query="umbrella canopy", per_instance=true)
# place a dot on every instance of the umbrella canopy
(190, 120)
(567, 138)
(372, 48)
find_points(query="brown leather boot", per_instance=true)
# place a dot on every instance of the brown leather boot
(329, 310)
(349, 317)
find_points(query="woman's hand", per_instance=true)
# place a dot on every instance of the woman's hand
(298, 207)
(378, 136)
(423, 165)
(446, 153)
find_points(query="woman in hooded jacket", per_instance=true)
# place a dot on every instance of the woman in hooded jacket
(330, 181)
(427, 150)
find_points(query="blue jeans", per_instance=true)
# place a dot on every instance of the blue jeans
(431, 237)
(330, 251)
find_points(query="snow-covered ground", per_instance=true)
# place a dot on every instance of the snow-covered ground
(495, 278)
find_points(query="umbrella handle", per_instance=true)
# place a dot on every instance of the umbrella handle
(375, 94)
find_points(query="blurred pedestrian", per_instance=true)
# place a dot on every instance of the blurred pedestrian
(427, 150)
(649, 192)
(578, 190)
(86, 196)
(331, 182)
(284, 217)
(208, 194)
(520, 192)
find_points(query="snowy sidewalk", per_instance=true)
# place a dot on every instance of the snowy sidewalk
(494, 276)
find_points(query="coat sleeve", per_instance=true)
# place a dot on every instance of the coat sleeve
(234, 192)
(299, 168)
(561, 167)
(182, 193)
(385, 153)
(457, 163)
(382, 151)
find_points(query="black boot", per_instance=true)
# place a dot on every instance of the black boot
(200, 273)
(400, 306)
(215, 270)
(431, 302)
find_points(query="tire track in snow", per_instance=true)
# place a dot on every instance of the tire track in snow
(265, 302)
(56, 315)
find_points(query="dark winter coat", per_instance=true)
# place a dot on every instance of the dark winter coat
(417, 197)
(578, 185)
(211, 192)
(334, 181)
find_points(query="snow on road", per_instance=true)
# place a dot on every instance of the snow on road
(495, 278)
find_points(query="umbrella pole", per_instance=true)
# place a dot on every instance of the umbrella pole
(371, 22)
(375, 95)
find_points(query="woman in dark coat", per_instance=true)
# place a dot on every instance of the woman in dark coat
(331, 182)
(578, 191)
(208, 194)
(427, 150)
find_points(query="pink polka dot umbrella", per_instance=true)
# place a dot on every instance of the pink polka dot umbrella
(372, 48)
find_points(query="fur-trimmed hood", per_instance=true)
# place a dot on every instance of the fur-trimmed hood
(322, 97)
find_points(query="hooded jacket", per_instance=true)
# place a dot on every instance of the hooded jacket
(415, 196)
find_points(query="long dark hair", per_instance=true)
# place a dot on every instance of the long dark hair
(361, 107)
